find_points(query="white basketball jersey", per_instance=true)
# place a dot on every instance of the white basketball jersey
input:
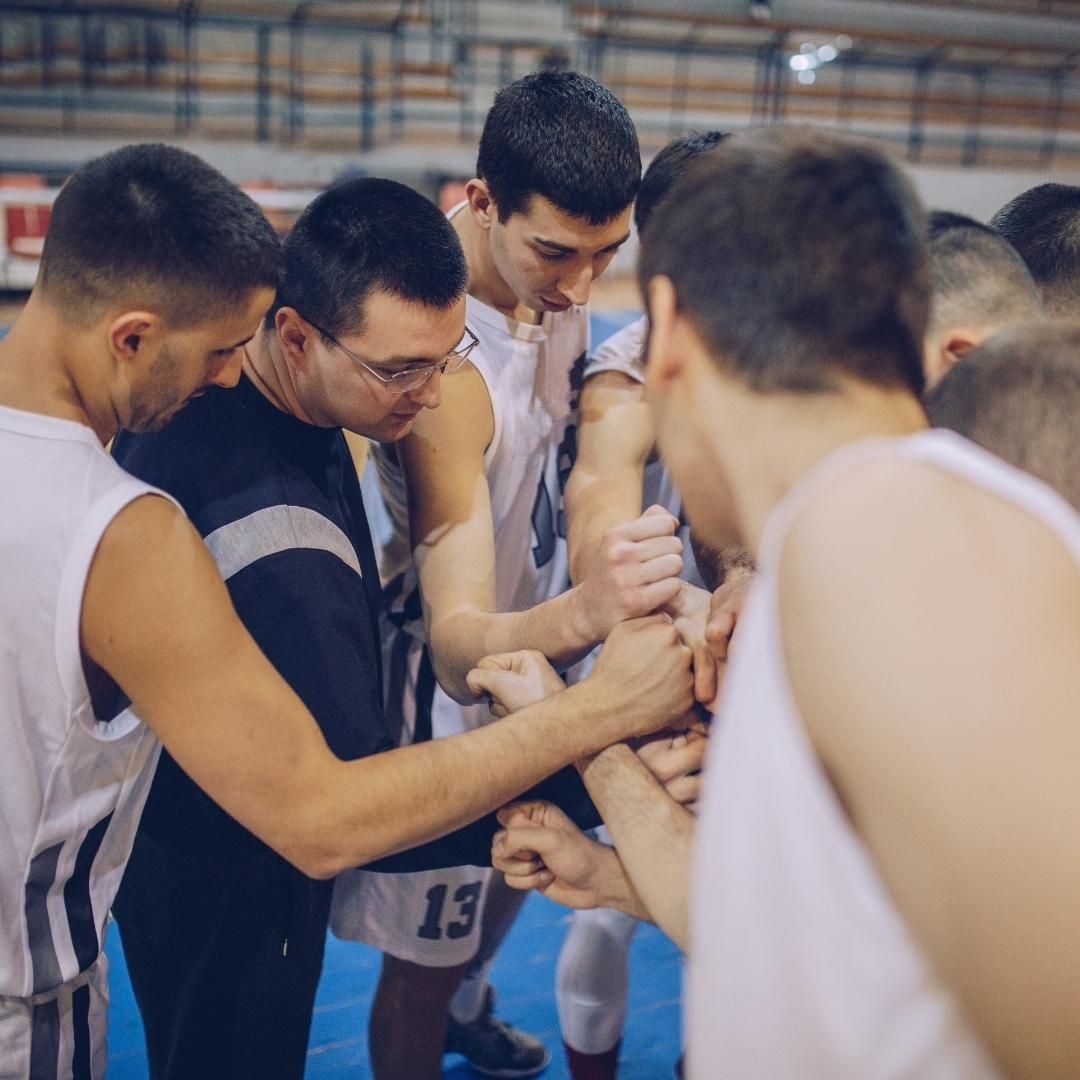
(533, 376)
(71, 785)
(800, 964)
(623, 352)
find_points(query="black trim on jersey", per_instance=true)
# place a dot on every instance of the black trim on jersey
(39, 937)
(568, 446)
(80, 1034)
(77, 902)
(45, 1040)
(425, 696)
(401, 608)
(396, 678)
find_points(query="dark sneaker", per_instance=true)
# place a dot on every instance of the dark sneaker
(494, 1048)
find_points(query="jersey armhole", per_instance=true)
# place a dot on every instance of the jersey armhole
(68, 621)
(496, 419)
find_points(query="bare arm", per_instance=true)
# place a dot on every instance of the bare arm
(454, 551)
(653, 835)
(156, 616)
(931, 635)
(615, 438)
(541, 849)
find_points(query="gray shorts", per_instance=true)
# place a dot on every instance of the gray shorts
(60, 1033)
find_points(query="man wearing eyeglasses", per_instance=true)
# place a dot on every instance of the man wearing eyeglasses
(224, 938)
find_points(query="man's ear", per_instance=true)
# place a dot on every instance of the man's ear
(294, 333)
(959, 340)
(135, 336)
(662, 360)
(481, 205)
(944, 350)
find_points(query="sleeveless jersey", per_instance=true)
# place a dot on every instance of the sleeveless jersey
(533, 376)
(623, 352)
(73, 784)
(800, 963)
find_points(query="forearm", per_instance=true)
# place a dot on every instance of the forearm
(358, 811)
(653, 835)
(596, 502)
(460, 640)
(614, 887)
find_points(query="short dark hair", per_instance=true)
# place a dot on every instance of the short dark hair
(152, 224)
(977, 276)
(668, 165)
(561, 135)
(1043, 224)
(366, 235)
(1018, 395)
(797, 257)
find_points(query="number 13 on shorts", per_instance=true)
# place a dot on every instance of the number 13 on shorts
(430, 918)
(467, 899)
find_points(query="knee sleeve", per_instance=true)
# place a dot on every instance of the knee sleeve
(591, 981)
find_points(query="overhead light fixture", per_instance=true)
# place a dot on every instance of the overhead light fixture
(811, 56)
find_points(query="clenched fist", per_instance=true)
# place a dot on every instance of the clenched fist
(511, 681)
(644, 670)
(635, 572)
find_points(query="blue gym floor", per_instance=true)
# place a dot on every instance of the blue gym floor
(524, 975)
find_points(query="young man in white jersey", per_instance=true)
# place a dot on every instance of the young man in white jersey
(885, 881)
(155, 273)
(477, 563)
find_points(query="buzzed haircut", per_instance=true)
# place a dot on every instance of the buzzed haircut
(561, 135)
(364, 236)
(154, 226)
(1018, 396)
(978, 278)
(797, 257)
(668, 165)
(1043, 224)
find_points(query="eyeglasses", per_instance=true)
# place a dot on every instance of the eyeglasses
(401, 382)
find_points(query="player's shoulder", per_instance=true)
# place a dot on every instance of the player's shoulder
(143, 526)
(621, 352)
(920, 501)
(463, 422)
(903, 530)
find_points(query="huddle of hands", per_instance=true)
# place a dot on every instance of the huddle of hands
(665, 649)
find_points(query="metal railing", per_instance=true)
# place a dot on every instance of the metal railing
(353, 76)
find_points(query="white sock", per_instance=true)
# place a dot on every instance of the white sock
(468, 1002)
